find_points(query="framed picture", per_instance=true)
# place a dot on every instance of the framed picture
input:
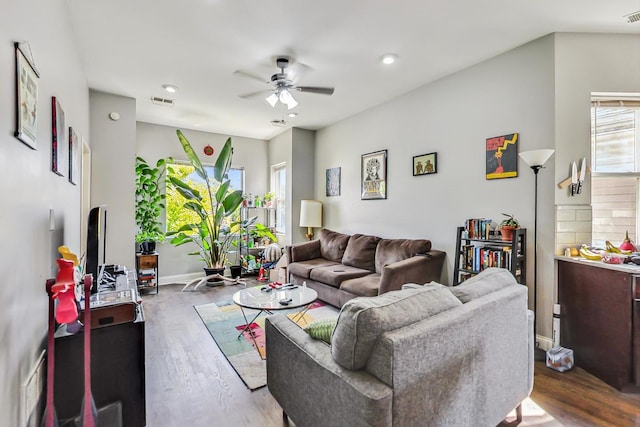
(425, 164)
(26, 100)
(333, 182)
(502, 156)
(58, 130)
(73, 156)
(373, 170)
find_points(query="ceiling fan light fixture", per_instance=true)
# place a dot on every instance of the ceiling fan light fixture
(272, 100)
(286, 98)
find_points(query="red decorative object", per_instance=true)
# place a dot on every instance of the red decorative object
(208, 150)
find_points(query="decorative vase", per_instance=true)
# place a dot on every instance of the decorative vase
(507, 232)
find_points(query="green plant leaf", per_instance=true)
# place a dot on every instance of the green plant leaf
(192, 155)
(223, 162)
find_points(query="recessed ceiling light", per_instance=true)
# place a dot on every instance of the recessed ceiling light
(389, 58)
(170, 88)
(292, 114)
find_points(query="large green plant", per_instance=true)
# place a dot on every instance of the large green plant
(149, 200)
(212, 232)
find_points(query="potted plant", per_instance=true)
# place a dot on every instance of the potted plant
(149, 204)
(213, 232)
(507, 226)
(262, 234)
(268, 199)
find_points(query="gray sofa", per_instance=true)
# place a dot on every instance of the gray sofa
(422, 356)
(342, 266)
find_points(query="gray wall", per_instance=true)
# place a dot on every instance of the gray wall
(29, 188)
(154, 142)
(113, 172)
(302, 178)
(279, 149)
(513, 92)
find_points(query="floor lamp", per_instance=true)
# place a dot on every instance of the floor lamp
(536, 159)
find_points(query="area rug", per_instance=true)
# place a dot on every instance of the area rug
(225, 323)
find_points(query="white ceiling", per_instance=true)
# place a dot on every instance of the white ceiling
(133, 47)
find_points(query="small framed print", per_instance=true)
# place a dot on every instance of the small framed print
(425, 164)
(373, 175)
(73, 156)
(333, 182)
(58, 138)
(502, 156)
(26, 100)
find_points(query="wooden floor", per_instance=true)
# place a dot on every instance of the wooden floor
(190, 383)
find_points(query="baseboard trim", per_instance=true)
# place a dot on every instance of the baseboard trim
(178, 278)
(544, 343)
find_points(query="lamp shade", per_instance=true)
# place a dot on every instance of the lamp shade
(310, 213)
(536, 157)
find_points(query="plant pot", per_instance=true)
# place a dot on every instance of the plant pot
(236, 271)
(507, 232)
(148, 247)
(210, 271)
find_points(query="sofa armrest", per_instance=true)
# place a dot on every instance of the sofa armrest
(422, 268)
(313, 389)
(304, 251)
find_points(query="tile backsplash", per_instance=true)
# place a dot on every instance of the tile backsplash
(573, 226)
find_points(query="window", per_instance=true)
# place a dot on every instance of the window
(279, 186)
(615, 180)
(177, 215)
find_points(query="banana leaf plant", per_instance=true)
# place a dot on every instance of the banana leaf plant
(213, 233)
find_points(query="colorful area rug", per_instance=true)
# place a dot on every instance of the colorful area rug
(225, 323)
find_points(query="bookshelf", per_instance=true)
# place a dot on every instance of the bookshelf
(477, 251)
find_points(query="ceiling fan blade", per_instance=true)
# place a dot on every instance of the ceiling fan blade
(314, 89)
(256, 93)
(296, 70)
(249, 75)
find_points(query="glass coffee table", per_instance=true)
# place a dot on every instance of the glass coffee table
(257, 298)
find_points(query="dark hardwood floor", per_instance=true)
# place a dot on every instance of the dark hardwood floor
(190, 383)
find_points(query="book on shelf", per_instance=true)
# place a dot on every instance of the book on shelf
(478, 228)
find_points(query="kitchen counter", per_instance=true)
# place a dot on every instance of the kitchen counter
(625, 268)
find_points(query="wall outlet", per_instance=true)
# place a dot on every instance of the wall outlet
(32, 391)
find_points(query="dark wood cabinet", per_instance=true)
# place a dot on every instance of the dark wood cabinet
(600, 319)
(474, 255)
(147, 271)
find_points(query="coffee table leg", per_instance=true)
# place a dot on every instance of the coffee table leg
(299, 316)
(247, 325)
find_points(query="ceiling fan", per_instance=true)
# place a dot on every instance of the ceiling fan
(283, 84)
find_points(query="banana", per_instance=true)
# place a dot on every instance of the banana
(586, 253)
(614, 249)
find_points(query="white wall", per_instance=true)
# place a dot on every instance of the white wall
(302, 178)
(154, 142)
(513, 92)
(29, 188)
(279, 149)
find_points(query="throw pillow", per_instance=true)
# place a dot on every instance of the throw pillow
(321, 329)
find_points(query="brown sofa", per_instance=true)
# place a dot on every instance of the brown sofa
(341, 266)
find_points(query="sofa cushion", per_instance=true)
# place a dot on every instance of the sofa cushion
(394, 250)
(361, 252)
(367, 286)
(303, 268)
(487, 281)
(335, 274)
(333, 244)
(362, 320)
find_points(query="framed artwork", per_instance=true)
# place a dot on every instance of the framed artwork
(58, 152)
(425, 164)
(333, 182)
(26, 100)
(373, 175)
(73, 156)
(502, 156)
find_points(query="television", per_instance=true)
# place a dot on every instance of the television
(96, 243)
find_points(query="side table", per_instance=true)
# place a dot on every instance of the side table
(147, 271)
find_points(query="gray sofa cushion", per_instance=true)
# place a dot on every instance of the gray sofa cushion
(361, 252)
(478, 285)
(362, 320)
(333, 244)
(334, 275)
(303, 268)
(366, 286)
(394, 250)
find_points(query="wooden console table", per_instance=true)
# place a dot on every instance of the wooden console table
(600, 319)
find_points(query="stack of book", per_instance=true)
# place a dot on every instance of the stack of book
(478, 228)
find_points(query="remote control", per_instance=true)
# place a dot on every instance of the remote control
(284, 301)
